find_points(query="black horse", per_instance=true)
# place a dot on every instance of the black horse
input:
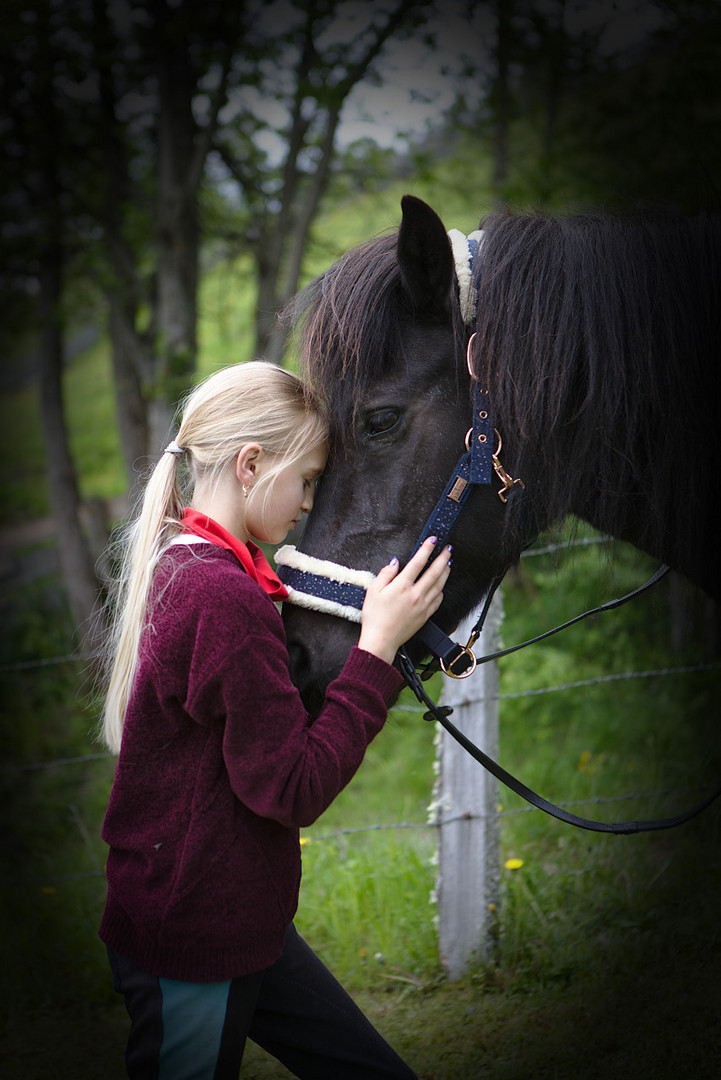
(597, 338)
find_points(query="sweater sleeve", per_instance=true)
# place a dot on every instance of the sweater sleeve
(281, 764)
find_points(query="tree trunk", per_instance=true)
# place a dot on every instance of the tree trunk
(177, 232)
(285, 234)
(126, 292)
(176, 344)
(271, 334)
(269, 340)
(128, 362)
(76, 564)
(556, 59)
(81, 583)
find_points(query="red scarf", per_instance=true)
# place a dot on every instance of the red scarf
(249, 555)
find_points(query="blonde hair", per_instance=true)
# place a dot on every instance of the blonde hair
(254, 401)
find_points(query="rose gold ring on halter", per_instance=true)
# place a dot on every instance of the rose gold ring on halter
(471, 339)
(465, 651)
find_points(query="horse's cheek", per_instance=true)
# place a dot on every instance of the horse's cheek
(359, 516)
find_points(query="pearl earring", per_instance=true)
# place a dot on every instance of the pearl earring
(245, 491)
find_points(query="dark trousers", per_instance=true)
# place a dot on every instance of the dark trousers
(296, 1010)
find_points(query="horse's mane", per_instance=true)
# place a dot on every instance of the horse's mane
(598, 341)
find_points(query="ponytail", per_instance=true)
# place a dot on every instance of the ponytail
(144, 541)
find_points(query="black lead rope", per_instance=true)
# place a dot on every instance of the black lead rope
(456, 659)
(621, 828)
(433, 665)
(442, 712)
(610, 605)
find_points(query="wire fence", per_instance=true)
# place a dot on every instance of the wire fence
(688, 669)
(20, 768)
(433, 826)
(419, 825)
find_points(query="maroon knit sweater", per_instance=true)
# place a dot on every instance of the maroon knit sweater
(219, 767)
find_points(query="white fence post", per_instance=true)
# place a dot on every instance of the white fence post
(465, 807)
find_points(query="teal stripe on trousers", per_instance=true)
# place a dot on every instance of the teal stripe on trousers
(193, 1019)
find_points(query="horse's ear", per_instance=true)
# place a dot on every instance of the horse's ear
(425, 258)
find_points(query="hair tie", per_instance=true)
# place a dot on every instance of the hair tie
(173, 448)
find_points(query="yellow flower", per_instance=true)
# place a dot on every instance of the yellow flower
(513, 864)
(583, 764)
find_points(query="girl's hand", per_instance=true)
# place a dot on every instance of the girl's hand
(398, 604)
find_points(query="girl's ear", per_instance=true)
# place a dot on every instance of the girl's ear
(246, 462)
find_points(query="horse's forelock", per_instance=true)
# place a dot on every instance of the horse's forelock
(349, 321)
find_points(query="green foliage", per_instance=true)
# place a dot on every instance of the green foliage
(364, 905)
(90, 412)
(457, 188)
(225, 325)
(22, 462)
(654, 124)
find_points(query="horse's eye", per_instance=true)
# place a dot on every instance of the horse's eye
(380, 422)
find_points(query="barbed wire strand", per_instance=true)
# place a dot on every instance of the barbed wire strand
(55, 763)
(619, 676)
(385, 826)
(594, 680)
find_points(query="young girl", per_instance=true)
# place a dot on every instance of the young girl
(219, 764)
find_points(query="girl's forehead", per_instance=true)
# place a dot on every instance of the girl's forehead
(315, 459)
